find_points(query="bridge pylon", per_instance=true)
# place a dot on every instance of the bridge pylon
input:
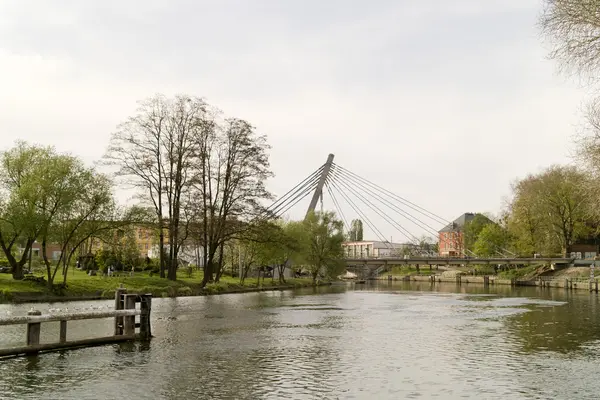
(320, 184)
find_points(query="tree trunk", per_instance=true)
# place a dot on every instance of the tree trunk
(281, 268)
(161, 244)
(219, 271)
(172, 272)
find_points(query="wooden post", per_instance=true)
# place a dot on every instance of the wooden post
(119, 306)
(63, 331)
(146, 308)
(129, 322)
(33, 330)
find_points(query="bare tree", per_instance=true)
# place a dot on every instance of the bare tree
(234, 166)
(573, 27)
(154, 152)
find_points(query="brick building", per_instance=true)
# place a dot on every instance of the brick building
(452, 236)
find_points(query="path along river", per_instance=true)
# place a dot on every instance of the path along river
(375, 341)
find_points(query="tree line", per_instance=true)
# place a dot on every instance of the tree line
(547, 213)
(198, 178)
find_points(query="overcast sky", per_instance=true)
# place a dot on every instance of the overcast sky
(442, 102)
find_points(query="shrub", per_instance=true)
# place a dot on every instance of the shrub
(184, 291)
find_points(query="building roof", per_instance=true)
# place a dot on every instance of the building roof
(459, 223)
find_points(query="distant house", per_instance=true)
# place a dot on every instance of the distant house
(452, 236)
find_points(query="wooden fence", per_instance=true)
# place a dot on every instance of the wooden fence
(125, 325)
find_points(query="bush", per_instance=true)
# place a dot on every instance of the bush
(4, 263)
(155, 291)
(184, 291)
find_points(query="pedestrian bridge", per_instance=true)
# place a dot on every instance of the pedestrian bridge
(361, 262)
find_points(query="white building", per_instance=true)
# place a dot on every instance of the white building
(375, 249)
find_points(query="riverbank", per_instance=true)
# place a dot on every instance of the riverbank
(83, 287)
(535, 275)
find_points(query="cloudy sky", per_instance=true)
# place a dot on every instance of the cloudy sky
(444, 103)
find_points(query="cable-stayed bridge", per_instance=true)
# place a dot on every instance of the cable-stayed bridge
(366, 200)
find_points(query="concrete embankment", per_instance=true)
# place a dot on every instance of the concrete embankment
(549, 282)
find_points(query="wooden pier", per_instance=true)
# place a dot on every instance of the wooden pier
(125, 325)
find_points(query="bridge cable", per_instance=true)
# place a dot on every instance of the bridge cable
(377, 210)
(338, 208)
(287, 196)
(376, 231)
(408, 203)
(429, 229)
(299, 197)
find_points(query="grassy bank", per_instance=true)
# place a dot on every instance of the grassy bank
(80, 285)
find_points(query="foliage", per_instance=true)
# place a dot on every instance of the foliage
(79, 205)
(550, 210)
(27, 175)
(473, 228)
(491, 240)
(320, 237)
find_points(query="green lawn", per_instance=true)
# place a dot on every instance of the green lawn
(80, 284)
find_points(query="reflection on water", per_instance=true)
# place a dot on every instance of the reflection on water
(385, 341)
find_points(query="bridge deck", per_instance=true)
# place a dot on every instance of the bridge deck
(462, 261)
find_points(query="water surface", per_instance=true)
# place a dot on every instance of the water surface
(383, 341)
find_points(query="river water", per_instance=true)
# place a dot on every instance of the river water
(375, 341)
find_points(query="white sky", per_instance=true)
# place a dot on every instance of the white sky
(442, 102)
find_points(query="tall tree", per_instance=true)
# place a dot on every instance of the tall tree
(230, 182)
(573, 27)
(356, 230)
(155, 151)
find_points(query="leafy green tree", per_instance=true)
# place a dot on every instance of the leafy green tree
(492, 239)
(473, 228)
(550, 210)
(320, 237)
(77, 206)
(30, 175)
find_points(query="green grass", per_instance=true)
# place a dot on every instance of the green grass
(80, 284)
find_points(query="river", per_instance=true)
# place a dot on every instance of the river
(375, 341)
